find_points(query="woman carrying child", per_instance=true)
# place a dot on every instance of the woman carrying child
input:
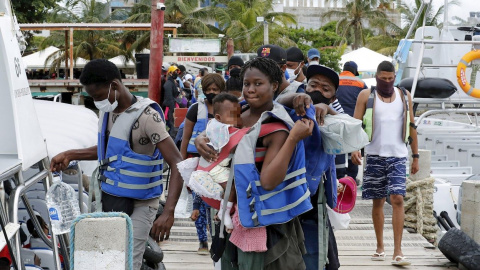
(195, 123)
(275, 154)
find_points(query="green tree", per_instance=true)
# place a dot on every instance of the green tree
(432, 17)
(323, 40)
(352, 19)
(86, 44)
(238, 20)
(32, 11)
(185, 12)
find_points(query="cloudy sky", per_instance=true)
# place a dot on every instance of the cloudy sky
(462, 10)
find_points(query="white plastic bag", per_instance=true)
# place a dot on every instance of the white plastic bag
(184, 206)
(342, 134)
(337, 220)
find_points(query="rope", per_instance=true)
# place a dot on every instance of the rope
(419, 207)
(102, 215)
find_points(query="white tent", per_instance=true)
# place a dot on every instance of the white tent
(37, 60)
(119, 61)
(366, 59)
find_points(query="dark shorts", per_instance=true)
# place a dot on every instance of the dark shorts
(384, 176)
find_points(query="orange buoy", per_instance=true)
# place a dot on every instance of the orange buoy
(461, 73)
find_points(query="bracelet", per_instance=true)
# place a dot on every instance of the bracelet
(415, 156)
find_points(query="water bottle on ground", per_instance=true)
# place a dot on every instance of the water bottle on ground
(62, 206)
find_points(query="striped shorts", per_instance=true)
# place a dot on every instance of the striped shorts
(384, 176)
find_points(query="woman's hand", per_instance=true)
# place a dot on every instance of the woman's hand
(302, 129)
(204, 149)
(301, 102)
(357, 158)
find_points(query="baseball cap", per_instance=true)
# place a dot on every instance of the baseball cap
(315, 68)
(351, 66)
(235, 60)
(172, 69)
(313, 53)
(274, 52)
(188, 77)
(294, 54)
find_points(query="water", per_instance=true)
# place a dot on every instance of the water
(62, 206)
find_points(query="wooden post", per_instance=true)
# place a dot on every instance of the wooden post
(66, 55)
(156, 52)
(71, 55)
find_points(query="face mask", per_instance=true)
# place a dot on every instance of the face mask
(317, 97)
(174, 75)
(210, 97)
(105, 105)
(291, 73)
(384, 89)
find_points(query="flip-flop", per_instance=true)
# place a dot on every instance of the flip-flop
(378, 256)
(401, 261)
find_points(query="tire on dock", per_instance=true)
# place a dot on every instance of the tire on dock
(460, 248)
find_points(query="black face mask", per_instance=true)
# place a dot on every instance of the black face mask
(317, 97)
(210, 97)
(174, 75)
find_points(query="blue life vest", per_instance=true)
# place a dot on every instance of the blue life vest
(124, 173)
(200, 125)
(317, 161)
(257, 206)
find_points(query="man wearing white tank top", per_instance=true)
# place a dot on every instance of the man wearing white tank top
(388, 122)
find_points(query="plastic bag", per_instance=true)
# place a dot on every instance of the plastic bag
(342, 134)
(337, 220)
(184, 206)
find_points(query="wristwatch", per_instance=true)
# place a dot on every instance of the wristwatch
(415, 156)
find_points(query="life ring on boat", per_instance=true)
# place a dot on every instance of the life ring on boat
(462, 74)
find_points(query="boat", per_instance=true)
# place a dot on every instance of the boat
(447, 118)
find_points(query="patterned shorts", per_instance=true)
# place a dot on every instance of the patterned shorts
(384, 175)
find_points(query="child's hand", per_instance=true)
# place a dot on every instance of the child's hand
(195, 214)
(302, 129)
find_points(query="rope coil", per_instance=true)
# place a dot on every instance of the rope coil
(103, 215)
(419, 207)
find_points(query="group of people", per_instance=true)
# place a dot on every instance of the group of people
(274, 181)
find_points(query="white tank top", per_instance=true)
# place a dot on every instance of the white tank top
(387, 139)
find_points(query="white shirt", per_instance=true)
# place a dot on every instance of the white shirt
(387, 138)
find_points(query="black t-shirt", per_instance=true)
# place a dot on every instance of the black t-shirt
(192, 113)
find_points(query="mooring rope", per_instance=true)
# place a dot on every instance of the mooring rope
(103, 215)
(419, 207)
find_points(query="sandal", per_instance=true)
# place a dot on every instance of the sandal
(378, 256)
(401, 261)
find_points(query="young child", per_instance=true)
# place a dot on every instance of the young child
(210, 182)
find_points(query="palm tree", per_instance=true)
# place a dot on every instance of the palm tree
(87, 44)
(238, 20)
(432, 17)
(184, 12)
(352, 19)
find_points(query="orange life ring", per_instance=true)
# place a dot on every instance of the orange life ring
(462, 74)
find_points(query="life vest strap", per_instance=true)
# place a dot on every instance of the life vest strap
(130, 186)
(107, 161)
(266, 212)
(287, 177)
(136, 174)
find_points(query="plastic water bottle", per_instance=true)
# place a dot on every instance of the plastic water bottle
(62, 206)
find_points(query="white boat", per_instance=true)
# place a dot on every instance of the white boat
(453, 135)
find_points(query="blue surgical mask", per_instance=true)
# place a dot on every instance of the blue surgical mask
(105, 105)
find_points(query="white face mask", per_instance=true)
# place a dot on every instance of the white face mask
(105, 105)
(291, 73)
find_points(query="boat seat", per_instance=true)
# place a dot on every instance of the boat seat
(452, 170)
(473, 159)
(38, 243)
(448, 163)
(28, 256)
(439, 158)
(451, 150)
(32, 267)
(36, 194)
(47, 257)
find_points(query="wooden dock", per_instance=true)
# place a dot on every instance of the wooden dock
(355, 246)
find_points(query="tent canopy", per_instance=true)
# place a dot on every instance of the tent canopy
(37, 60)
(366, 59)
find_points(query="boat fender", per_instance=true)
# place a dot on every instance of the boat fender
(430, 87)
